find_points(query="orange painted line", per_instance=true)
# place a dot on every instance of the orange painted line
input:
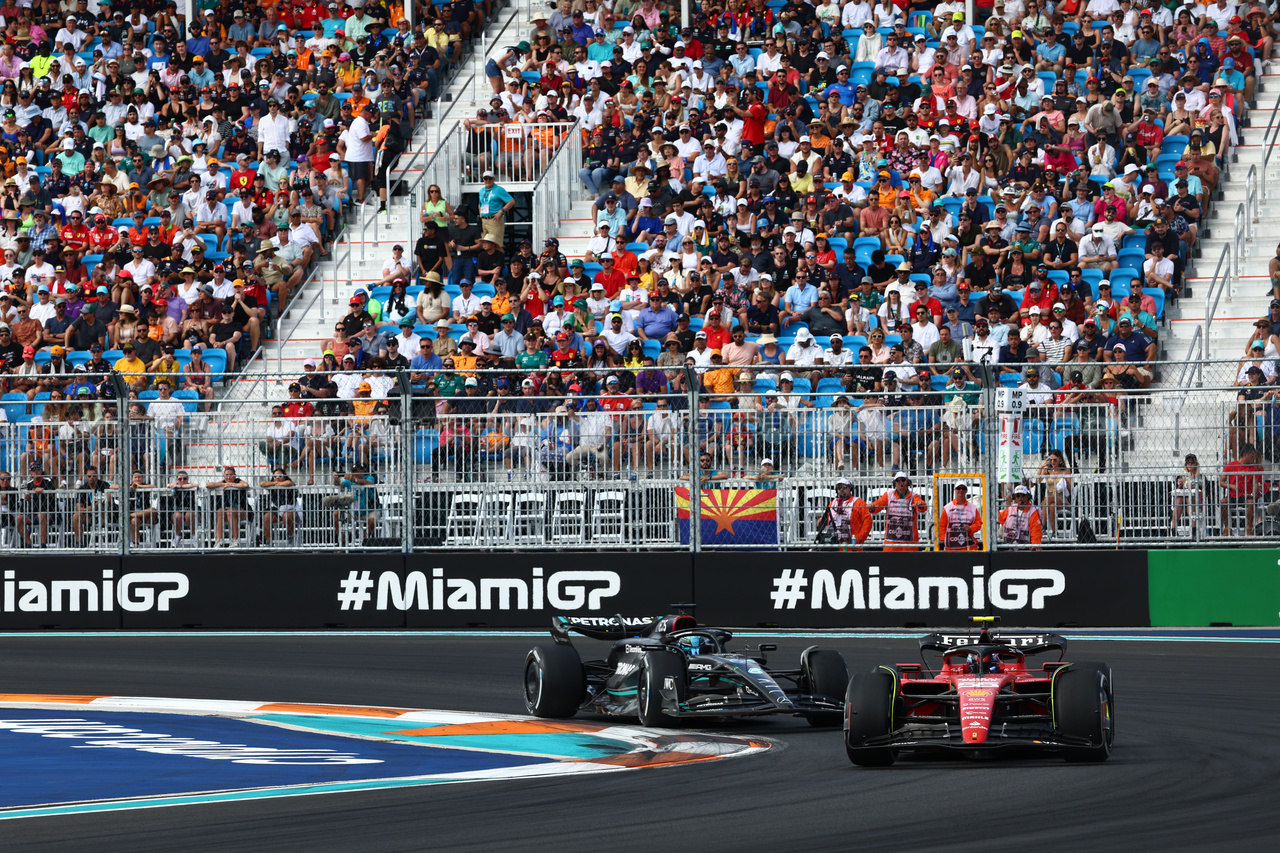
(344, 710)
(48, 697)
(503, 727)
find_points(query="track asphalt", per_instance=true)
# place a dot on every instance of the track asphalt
(1196, 764)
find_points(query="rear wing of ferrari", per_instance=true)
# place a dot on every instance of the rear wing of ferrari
(617, 627)
(1027, 642)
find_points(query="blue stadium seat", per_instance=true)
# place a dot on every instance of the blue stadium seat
(1157, 294)
(217, 361)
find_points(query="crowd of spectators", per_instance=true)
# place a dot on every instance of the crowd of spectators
(168, 185)
(1045, 152)
(865, 196)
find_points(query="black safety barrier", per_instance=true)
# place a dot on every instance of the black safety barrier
(1107, 589)
(262, 590)
(59, 592)
(522, 590)
(907, 590)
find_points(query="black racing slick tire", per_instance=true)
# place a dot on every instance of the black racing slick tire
(654, 672)
(1083, 708)
(868, 713)
(554, 681)
(825, 674)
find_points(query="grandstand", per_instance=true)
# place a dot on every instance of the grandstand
(437, 482)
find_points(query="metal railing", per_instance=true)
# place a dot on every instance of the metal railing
(297, 312)
(420, 460)
(442, 118)
(1192, 363)
(516, 152)
(1219, 283)
(554, 193)
(1251, 208)
(1269, 139)
(487, 43)
(440, 169)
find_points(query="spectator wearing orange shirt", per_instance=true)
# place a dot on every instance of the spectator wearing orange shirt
(719, 380)
(138, 232)
(624, 260)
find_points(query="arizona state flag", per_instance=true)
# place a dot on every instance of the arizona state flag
(732, 516)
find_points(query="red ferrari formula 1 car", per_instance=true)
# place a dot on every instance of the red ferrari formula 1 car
(983, 696)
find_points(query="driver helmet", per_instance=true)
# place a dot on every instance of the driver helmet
(979, 665)
(695, 645)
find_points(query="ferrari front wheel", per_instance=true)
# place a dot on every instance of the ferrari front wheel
(1084, 707)
(868, 714)
(554, 681)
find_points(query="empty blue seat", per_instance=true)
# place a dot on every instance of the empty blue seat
(829, 385)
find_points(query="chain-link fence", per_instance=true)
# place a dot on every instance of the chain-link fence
(494, 459)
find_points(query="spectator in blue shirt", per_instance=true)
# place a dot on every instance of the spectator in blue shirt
(198, 44)
(742, 60)
(846, 90)
(645, 226)
(1049, 53)
(425, 361)
(582, 31)
(799, 298)
(1082, 208)
(657, 321)
(1228, 72)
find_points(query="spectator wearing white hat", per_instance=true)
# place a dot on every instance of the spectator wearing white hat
(805, 352)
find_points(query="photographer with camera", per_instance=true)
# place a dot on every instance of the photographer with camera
(847, 519)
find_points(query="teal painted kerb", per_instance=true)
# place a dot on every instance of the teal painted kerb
(227, 796)
(562, 745)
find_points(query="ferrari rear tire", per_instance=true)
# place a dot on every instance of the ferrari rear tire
(654, 672)
(825, 674)
(555, 681)
(1082, 707)
(868, 709)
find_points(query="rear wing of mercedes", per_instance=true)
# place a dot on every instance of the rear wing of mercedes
(610, 628)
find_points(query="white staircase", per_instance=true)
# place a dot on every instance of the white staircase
(1246, 299)
(578, 227)
(309, 319)
(1179, 418)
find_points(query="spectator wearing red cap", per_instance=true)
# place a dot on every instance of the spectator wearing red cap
(26, 375)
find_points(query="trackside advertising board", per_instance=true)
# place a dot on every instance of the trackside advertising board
(1240, 586)
(263, 590)
(895, 590)
(522, 590)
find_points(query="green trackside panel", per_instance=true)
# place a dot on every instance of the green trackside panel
(1195, 588)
